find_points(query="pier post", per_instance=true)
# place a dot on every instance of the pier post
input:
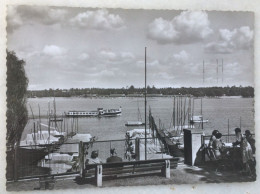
(166, 170)
(99, 173)
(15, 162)
(192, 144)
(81, 159)
(137, 149)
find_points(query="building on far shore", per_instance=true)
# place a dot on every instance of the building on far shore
(154, 95)
(117, 95)
(135, 95)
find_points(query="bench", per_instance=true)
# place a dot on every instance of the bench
(130, 168)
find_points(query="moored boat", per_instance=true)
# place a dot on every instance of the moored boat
(99, 112)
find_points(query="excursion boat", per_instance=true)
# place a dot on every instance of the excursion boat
(98, 112)
(109, 112)
(82, 113)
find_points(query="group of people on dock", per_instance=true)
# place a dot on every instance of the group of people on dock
(241, 153)
(95, 160)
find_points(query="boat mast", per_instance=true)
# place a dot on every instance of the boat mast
(145, 134)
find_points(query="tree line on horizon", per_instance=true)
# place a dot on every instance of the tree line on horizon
(197, 92)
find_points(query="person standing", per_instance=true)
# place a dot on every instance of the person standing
(246, 154)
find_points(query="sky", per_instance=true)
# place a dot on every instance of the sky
(84, 47)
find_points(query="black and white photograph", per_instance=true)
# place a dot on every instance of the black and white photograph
(112, 97)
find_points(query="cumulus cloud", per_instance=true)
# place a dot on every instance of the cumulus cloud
(83, 56)
(231, 40)
(20, 15)
(116, 57)
(98, 20)
(189, 26)
(179, 58)
(53, 50)
(183, 56)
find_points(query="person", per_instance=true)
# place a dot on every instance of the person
(245, 152)
(217, 146)
(93, 158)
(212, 138)
(114, 158)
(210, 152)
(250, 140)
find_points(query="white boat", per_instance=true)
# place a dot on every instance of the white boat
(82, 113)
(98, 112)
(134, 123)
(110, 112)
(198, 119)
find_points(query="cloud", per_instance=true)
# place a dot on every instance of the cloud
(231, 40)
(115, 57)
(98, 20)
(183, 56)
(83, 56)
(21, 15)
(188, 27)
(14, 19)
(53, 50)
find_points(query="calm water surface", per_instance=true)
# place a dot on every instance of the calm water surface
(217, 111)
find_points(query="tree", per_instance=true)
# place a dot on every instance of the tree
(17, 83)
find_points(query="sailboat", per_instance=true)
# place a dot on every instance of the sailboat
(138, 122)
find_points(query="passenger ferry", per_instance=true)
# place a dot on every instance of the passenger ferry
(99, 112)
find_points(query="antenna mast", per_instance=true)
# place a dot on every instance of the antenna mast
(203, 73)
(222, 72)
(145, 134)
(217, 71)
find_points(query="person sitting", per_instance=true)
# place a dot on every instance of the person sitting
(250, 140)
(114, 158)
(217, 146)
(93, 158)
(212, 138)
(209, 150)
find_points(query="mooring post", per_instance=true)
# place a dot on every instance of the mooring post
(137, 149)
(81, 159)
(15, 162)
(99, 173)
(166, 169)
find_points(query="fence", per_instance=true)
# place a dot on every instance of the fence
(40, 160)
(26, 162)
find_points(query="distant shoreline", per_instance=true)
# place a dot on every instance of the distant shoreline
(131, 91)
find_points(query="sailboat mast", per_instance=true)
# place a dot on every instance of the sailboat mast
(145, 134)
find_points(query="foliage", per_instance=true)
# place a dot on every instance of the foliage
(92, 92)
(17, 83)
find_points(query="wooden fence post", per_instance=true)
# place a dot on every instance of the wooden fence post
(81, 159)
(99, 175)
(167, 169)
(15, 162)
(137, 149)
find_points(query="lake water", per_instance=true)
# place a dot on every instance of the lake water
(216, 110)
